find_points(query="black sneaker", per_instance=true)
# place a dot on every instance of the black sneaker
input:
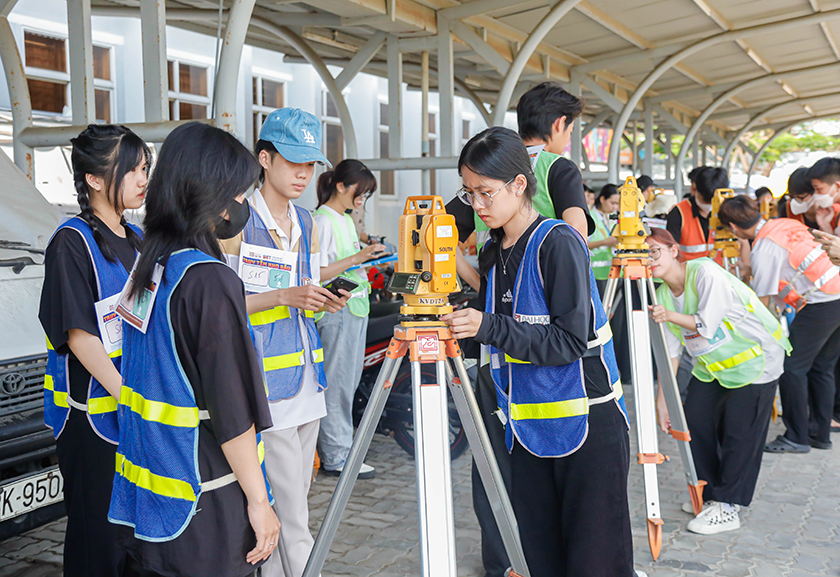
(825, 445)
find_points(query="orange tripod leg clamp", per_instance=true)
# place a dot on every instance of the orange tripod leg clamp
(652, 458)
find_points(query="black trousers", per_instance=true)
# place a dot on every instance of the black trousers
(815, 337)
(87, 465)
(493, 555)
(573, 515)
(836, 411)
(728, 432)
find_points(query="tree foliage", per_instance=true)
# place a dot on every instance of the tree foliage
(807, 140)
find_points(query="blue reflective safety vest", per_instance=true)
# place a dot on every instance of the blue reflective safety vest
(101, 407)
(279, 327)
(157, 483)
(546, 407)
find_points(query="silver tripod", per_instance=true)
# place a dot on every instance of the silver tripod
(644, 333)
(428, 342)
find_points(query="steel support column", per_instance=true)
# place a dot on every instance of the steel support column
(577, 130)
(155, 75)
(227, 77)
(446, 87)
(647, 163)
(669, 63)
(394, 98)
(534, 39)
(80, 43)
(19, 98)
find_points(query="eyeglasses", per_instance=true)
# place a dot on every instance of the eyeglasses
(484, 199)
(655, 253)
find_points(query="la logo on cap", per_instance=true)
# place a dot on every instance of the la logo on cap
(307, 136)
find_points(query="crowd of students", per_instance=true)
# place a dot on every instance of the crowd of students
(234, 363)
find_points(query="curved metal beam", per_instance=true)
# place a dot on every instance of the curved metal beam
(476, 99)
(228, 73)
(726, 161)
(317, 63)
(669, 63)
(518, 65)
(720, 100)
(757, 156)
(18, 96)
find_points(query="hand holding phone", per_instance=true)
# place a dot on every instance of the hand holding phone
(341, 283)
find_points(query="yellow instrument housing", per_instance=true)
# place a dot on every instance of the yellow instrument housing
(428, 241)
(631, 232)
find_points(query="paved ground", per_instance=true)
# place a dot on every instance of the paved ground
(792, 528)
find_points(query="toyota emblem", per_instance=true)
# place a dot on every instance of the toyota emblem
(12, 383)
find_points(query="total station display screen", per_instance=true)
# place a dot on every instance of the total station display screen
(404, 282)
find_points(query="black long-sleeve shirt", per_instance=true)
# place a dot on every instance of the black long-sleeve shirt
(564, 264)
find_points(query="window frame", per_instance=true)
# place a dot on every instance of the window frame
(46, 75)
(177, 96)
(381, 127)
(257, 107)
(326, 119)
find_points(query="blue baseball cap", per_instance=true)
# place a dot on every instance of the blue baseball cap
(295, 134)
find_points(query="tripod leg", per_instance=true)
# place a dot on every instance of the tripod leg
(671, 392)
(367, 427)
(609, 294)
(648, 444)
(434, 479)
(491, 477)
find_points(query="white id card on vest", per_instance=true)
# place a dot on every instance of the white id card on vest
(264, 269)
(110, 324)
(136, 311)
(698, 345)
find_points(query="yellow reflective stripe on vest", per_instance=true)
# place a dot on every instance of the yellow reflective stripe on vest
(261, 451)
(101, 405)
(309, 314)
(510, 359)
(49, 345)
(284, 361)
(555, 410)
(157, 484)
(59, 397)
(319, 355)
(159, 412)
(269, 316)
(741, 357)
(116, 354)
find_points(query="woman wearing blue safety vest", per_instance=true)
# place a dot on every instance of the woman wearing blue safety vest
(601, 242)
(343, 333)
(738, 350)
(189, 495)
(86, 265)
(560, 400)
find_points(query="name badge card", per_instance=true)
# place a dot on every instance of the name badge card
(264, 269)
(698, 345)
(110, 324)
(136, 310)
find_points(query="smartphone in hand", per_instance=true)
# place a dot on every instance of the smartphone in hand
(341, 283)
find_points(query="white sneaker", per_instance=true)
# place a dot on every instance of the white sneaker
(687, 507)
(365, 472)
(714, 519)
(641, 573)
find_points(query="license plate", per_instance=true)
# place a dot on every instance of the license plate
(40, 490)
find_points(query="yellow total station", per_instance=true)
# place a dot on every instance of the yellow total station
(769, 207)
(630, 230)
(425, 275)
(725, 239)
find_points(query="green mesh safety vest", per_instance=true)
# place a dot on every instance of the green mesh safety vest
(346, 245)
(541, 202)
(601, 256)
(739, 361)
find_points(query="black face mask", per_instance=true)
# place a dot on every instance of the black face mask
(237, 217)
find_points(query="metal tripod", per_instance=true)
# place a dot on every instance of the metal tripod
(428, 341)
(644, 333)
(730, 251)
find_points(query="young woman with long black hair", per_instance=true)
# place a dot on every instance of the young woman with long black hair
(87, 263)
(341, 190)
(189, 495)
(565, 427)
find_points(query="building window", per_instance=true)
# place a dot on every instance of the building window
(45, 58)
(47, 75)
(188, 90)
(333, 136)
(466, 131)
(433, 136)
(268, 96)
(386, 177)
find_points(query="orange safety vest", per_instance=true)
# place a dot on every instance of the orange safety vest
(801, 217)
(807, 257)
(692, 243)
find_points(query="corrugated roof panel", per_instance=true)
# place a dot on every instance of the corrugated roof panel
(802, 46)
(722, 61)
(658, 20)
(741, 12)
